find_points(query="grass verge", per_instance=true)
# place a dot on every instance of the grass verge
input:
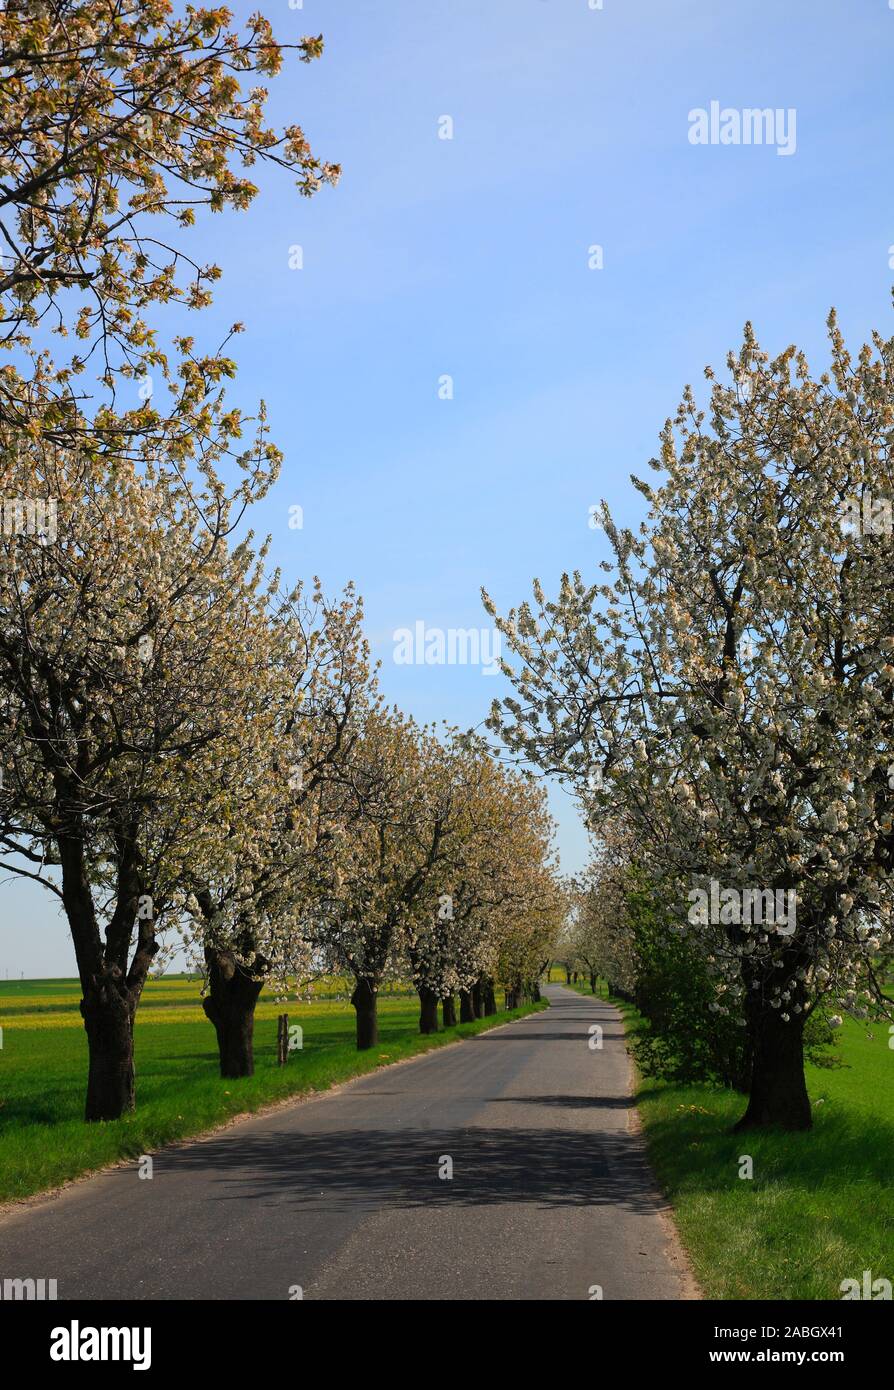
(820, 1206)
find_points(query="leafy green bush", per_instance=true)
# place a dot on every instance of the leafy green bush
(688, 1039)
(819, 1038)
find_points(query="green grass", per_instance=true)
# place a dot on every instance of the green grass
(820, 1207)
(43, 1068)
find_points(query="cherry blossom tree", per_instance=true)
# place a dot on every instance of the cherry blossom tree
(496, 833)
(132, 641)
(121, 120)
(528, 941)
(391, 809)
(598, 934)
(730, 691)
(134, 634)
(443, 856)
(254, 913)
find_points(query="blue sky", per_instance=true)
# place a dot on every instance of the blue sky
(469, 257)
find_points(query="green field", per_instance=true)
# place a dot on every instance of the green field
(820, 1206)
(43, 1071)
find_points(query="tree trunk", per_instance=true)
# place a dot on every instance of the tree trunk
(738, 1064)
(778, 1094)
(110, 992)
(592, 983)
(428, 1010)
(230, 1005)
(364, 1001)
(488, 997)
(567, 976)
(466, 1008)
(448, 1009)
(108, 1009)
(477, 1007)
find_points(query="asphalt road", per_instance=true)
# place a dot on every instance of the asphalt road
(342, 1198)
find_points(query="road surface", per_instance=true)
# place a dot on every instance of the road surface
(342, 1197)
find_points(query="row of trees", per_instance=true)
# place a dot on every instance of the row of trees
(724, 703)
(183, 743)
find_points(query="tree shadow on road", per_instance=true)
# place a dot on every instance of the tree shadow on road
(568, 1102)
(526, 1037)
(548, 1167)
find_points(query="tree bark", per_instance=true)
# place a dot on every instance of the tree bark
(428, 1010)
(108, 1009)
(230, 1005)
(592, 983)
(488, 997)
(778, 1093)
(466, 1008)
(110, 991)
(477, 1007)
(364, 1001)
(448, 1009)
